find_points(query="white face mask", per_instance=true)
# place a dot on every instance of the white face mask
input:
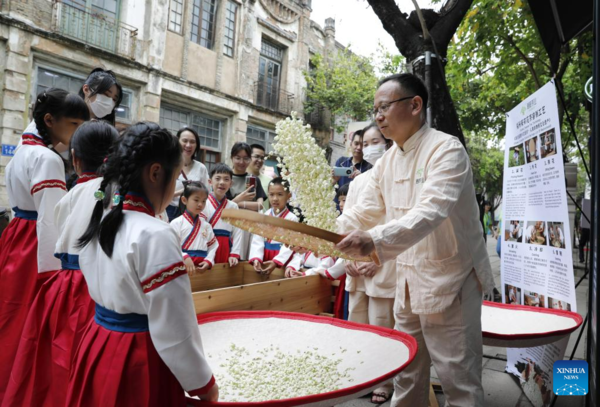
(373, 153)
(102, 106)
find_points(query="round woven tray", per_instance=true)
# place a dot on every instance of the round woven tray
(291, 233)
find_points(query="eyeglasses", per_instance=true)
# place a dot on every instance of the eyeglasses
(259, 157)
(244, 159)
(384, 107)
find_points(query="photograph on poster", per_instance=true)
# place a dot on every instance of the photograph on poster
(516, 156)
(514, 231)
(558, 304)
(531, 151)
(556, 230)
(534, 299)
(512, 294)
(548, 143)
(536, 233)
(536, 382)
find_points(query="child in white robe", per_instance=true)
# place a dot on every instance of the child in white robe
(266, 254)
(35, 182)
(195, 233)
(228, 236)
(145, 331)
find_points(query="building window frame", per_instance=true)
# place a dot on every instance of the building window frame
(229, 29)
(208, 154)
(44, 69)
(204, 22)
(176, 11)
(267, 139)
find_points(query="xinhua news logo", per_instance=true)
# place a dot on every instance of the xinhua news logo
(570, 377)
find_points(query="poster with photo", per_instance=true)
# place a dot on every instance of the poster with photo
(537, 263)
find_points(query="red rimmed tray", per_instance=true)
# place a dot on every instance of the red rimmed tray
(384, 352)
(520, 326)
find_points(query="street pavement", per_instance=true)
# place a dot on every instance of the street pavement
(502, 389)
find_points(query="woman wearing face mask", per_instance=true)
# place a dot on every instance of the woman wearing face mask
(103, 94)
(371, 289)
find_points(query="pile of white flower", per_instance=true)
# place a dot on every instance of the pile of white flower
(309, 172)
(275, 375)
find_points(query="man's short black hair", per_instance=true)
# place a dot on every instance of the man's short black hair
(411, 84)
(258, 146)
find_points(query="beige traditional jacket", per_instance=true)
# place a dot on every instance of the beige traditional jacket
(425, 194)
(383, 283)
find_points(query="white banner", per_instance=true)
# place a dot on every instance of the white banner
(537, 263)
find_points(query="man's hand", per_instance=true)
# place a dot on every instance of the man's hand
(357, 243)
(268, 267)
(233, 261)
(368, 269)
(190, 267)
(351, 268)
(355, 174)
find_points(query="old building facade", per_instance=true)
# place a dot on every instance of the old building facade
(229, 68)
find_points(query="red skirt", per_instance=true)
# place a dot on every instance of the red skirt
(339, 303)
(55, 325)
(20, 284)
(224, 249)
(121, 369)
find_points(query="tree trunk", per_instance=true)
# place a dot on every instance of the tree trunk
(408, 35)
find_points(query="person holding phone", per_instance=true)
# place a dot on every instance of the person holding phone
(245, 191)
(356, 162)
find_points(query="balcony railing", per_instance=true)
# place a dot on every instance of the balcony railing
(271, 97)
(94, 28)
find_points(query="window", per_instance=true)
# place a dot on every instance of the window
(52, 79)
(48, 78)
(230, 17)
(204, 13)
(124, 109)
(269, 76)
(176, 16)
(209, 130)
(256, 135)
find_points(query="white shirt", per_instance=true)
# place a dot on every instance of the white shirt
(198, 172)
(35, 181)
(218, 224)
(425, 194)
(196, 235)
(257, 247)
(72, 216)
(146, 276)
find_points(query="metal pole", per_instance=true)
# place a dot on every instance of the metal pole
(428, 82)
(592, 398)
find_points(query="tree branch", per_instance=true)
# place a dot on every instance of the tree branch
(394, 22)
(446, 27)
(527, 61)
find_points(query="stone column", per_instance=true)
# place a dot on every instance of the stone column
(15, 97)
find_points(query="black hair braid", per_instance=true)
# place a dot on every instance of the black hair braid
(96, 218)
(142, 144)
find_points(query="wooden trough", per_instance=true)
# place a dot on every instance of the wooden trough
(240, 288)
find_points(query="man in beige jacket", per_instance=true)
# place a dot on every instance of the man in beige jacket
(423, 188)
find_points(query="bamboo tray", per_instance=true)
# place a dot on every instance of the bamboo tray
(291, 233)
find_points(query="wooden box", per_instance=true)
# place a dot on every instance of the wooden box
(240, 288)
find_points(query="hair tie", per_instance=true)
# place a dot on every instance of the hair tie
(99, 195)
(105, 159)
(117, 198)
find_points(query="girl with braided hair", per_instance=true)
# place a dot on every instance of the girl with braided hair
(143, 347)
(35, 181)
(63, 308)
(103, 94)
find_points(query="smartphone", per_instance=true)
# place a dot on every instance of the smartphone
(251, 182)
(342, 171)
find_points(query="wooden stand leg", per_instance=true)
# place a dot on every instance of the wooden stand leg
(432, 400)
